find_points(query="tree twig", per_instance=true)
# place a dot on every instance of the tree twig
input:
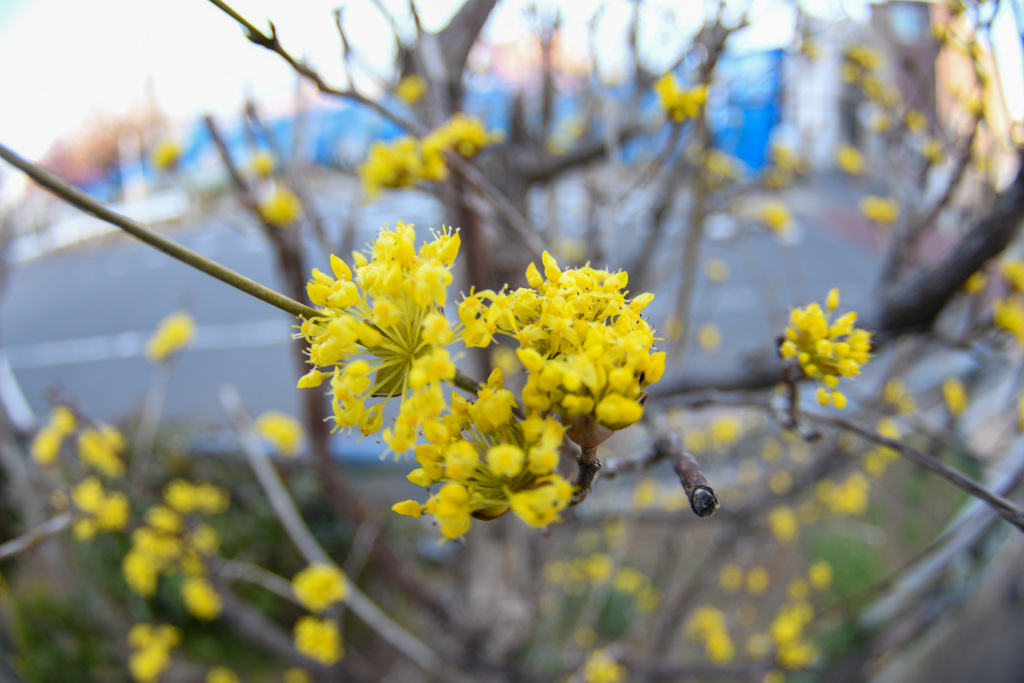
(79, 199)
(33, 537)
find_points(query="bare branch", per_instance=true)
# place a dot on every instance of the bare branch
(30, 539)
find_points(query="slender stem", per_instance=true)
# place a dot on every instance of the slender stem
(33, 537)
(79, 199)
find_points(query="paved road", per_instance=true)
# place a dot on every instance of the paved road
(79, 319)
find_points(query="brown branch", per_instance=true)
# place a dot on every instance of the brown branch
(589, 465)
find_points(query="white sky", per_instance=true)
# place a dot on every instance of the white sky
(66, 60)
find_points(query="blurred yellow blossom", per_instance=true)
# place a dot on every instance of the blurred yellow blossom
(319, 586)
(601, 668)
(318, 639)
(173, 333)
(955, 396)
(220, 674)
(281, 208)
(281, 430)
(850, 160)
(783, 523)
(151, 650)
(201, 600)
(411, 89)
(678, 103)
(880, 209)
(757, 580)
(165, 155)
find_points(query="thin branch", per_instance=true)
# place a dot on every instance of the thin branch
(79, 199)
(30, 539)
(1006, 509)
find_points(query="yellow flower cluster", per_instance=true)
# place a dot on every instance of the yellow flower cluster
(650, 492)
(784, 523)
(407, 162)
(775, 215)
(597, 569)
(955, 396)
(707, 626)
(166, 544)
(220, 674)
(172, 334)
(318, 639)
(262, 164)
(792, 651)
(100, 449)
(466, 135)
(680, 104)
(382, 333)
(46, 445)
(850, 160)
(896, 394)
(100, 510)
(849, 498)
(411, 89)
(281, 207)
(165, 155)
(280, 430)
(879, 209)
(878, 459)
(1008, 315)
(861, 61)
(498, 464)
(151, 650)
(601, 668)
(319, 586)
(200, 598)
(826, 351)
(585, 346)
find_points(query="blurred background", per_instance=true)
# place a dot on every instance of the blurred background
(924, 582)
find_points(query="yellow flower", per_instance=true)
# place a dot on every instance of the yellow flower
(262, 164)
(220, 674)
(201, 600)
(775, 215)
(716, 270)
(186, 497)
(46, 445)
(151, 650)
(281, 208)
(826, 350)
(1007, 315)
(730, 578)
(879, 209)
(850, 160)
(784, 524)
(318, 639)
(820, 575)
(916, 120)
(955, 396)
(173, 333)
(319, 586)
(601, 668)
(281, 430)
(165, 155)
(976, 283)
(411, 89)
(709, 337)
(297, 675)
(851, 497)
(101, 511)
(680, 104)
(757, 580)
(381, 332)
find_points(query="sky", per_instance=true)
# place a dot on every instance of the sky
(68, 60)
